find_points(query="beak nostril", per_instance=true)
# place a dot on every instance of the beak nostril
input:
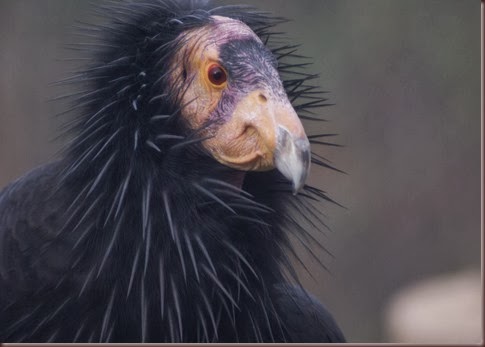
(263, 99)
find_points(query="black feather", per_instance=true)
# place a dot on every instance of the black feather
(135, 234)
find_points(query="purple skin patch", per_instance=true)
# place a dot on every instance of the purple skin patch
(250, 66)
(228, 29)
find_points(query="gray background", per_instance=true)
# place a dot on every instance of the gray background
(405, 77)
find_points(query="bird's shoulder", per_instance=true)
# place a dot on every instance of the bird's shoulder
(31, 199)
(304, 317)
(30, 209)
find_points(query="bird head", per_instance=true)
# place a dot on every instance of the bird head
(172, 82)
(232, 93)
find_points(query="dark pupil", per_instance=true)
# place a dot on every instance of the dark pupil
(217, 75)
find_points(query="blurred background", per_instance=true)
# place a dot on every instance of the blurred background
(405, 78)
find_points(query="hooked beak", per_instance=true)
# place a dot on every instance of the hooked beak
(292, 157)
(264, 133)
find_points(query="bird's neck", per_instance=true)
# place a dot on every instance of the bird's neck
(236, 179)
(178, 237)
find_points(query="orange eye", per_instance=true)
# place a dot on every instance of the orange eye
(217, 75)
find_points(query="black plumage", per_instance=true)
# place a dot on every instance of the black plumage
(137, 234)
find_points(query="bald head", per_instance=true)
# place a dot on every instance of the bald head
(229, 85)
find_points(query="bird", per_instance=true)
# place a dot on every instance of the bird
(169, 216)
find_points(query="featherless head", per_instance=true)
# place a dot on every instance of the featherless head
(171, 76)
(172, 204)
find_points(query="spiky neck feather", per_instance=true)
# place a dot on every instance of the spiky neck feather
(178, 238)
